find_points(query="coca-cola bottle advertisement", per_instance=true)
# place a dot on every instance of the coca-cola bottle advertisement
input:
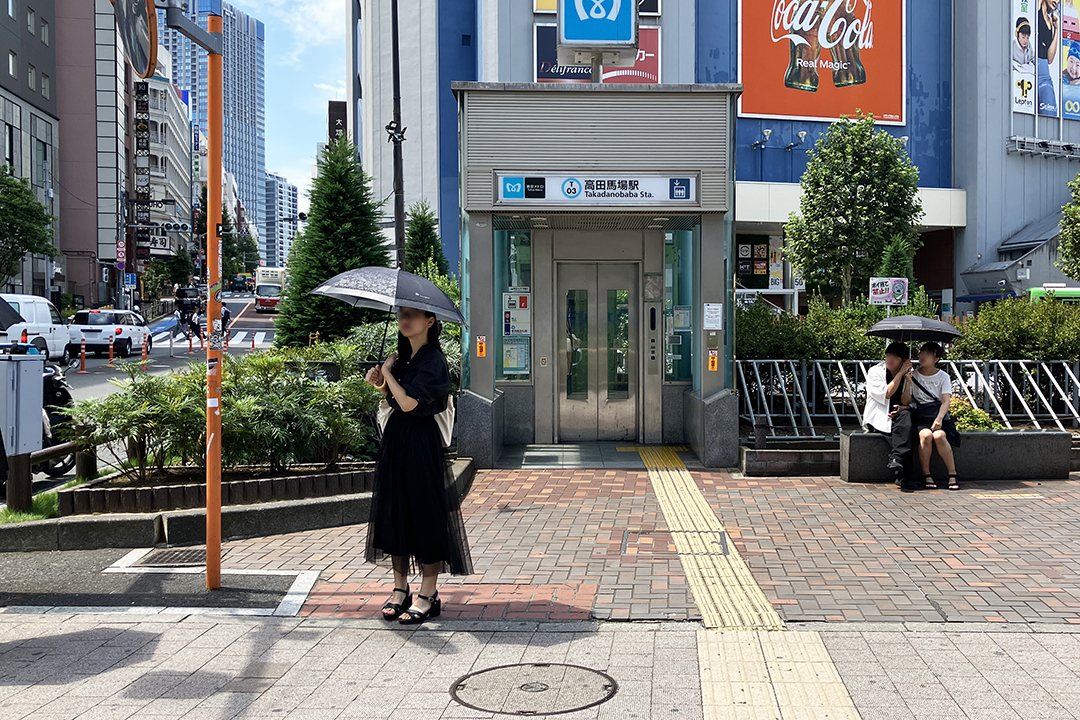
(820, 59)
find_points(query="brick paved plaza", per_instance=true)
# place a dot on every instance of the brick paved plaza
(933, 605)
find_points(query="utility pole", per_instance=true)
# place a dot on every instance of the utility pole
(397, 136)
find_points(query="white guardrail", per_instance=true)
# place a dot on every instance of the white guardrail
(817, 398)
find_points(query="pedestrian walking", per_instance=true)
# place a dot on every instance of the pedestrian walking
(932, 393)
(889, 411)
(416, 520)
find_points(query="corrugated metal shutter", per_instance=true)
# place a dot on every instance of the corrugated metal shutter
(612, 131)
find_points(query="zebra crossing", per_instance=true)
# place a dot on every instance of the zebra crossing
(240, 339)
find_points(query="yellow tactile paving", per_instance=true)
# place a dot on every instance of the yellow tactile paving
(723, 587)
(779, 676)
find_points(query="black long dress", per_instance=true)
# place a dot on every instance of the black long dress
(415, 510)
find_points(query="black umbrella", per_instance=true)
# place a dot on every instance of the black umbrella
(8, 315)
(909, 328)
(389, 289)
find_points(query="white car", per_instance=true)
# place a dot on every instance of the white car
(128, 331)
(43, 326)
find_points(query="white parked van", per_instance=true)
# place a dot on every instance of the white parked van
(42, 324)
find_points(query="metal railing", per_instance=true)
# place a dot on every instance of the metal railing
(808, 399)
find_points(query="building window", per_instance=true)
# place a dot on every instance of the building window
(10, 145)
(31, 77)
(41, 157)
(45, 32)
(13, 64)
(11, 8)
(31, 21)
(46, 90)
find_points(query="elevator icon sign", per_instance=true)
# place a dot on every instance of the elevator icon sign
(597, 22)
(679, 189)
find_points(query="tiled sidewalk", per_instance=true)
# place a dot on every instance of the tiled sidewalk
(825, 550)
(547, 545)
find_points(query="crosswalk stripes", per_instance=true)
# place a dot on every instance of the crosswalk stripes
(236, 340)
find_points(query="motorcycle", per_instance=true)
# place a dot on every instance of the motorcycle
(57, 403)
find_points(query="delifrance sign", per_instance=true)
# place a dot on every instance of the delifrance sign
(548, 69)
(821, 59)
(592, 188)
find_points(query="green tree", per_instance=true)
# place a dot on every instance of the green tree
(25, 224)
(859, 191)
(1069, 242)
(898, 260)
(422, 240)
(342, 233)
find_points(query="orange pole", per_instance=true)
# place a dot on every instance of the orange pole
(215, 101)
(190, 347)
(144, 352)
(111, 338)
(82, 358)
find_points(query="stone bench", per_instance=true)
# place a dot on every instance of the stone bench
(997, 455)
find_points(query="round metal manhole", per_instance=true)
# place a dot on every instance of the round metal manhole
(534, 689)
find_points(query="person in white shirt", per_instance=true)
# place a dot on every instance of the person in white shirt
(932, 393)
(888, 409)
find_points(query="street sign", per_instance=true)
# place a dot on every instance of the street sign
(889, 291)
(598, 23)
(120, 265)
(136, 23)
(129, 280)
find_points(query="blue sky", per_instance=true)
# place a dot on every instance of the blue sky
(305, 68)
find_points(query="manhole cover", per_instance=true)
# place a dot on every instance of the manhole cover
(173, 558)
(534, 689)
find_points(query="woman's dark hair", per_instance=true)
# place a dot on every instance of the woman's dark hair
(898, 349)
(933, 347)
(404, 347)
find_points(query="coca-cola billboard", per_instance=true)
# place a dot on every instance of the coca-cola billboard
(821, 59)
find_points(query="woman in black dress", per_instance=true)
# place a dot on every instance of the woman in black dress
(416, 519)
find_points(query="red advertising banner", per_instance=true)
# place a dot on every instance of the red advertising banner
(820, 59)
(547, 67)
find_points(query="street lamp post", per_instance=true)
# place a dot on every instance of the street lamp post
(397, 136)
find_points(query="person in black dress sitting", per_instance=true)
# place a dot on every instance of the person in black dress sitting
(416, 518)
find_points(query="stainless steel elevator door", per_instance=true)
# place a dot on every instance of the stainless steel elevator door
(598, 351)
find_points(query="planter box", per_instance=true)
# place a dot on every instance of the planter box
(997, 455)
(92, 499)
(789, 463)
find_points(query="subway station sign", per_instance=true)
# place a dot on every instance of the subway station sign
(592, 189)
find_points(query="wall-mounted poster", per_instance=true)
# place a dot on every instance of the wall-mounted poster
(547, 68)
(820, 59)
(1070, 60)
(1023, 57)
(1047, 24)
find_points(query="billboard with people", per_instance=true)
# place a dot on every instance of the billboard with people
(821, 59)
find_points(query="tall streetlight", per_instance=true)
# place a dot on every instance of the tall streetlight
(137, 24)
(397, 136)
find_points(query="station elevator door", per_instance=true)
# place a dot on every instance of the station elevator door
(598, 374)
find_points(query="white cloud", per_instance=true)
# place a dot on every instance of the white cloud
(308, 23)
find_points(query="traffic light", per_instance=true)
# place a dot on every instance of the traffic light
(302, 217)
(176, 227)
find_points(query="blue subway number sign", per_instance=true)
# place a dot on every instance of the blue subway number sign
(597, 23)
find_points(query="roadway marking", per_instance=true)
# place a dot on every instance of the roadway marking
(239, 337)
(259, 338)
(724, 589)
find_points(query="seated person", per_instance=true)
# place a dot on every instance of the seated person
(932, 393)
(888, 409)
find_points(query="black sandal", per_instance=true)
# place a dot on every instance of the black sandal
(415, 617)
(954, 482)
(397, 608)
(929, 481)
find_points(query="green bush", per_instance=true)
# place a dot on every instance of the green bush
(273, 412)
(971, 419)
(1018, 329)
(824, 333)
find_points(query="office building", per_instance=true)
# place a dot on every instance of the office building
(282, 209)
(244, 149)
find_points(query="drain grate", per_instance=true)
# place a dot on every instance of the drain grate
(167, 557)
(534, 689)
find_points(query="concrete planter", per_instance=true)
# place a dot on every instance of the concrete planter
(87, 499)
(789, 463)
(996, 455)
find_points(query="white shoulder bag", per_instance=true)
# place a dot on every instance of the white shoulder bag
(445, 419)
